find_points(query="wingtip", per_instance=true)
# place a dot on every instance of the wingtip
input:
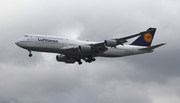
(164, 43)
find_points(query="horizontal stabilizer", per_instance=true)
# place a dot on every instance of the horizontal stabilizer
(153, 47)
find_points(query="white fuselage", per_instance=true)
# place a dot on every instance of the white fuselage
(60, 45)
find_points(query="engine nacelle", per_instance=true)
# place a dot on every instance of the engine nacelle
(110, 43)
(63, 58)
(84, 48)
(71, 60)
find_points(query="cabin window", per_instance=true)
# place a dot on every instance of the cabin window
(26, 36)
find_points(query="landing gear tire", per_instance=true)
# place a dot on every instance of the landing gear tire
(30, 55)
(80, 63)
(93, 59)
(90, 59)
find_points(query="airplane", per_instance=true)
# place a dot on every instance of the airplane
(71, 51)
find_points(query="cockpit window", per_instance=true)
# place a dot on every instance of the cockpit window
(26, 36)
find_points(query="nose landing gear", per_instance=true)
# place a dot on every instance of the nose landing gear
(30, 55)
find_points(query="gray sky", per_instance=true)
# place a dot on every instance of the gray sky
(147, 78)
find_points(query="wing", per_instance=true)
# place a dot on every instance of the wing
(101, 47)
(124, 39)
(94, 49)
(88, 49)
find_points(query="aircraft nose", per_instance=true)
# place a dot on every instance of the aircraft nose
(21, 42)
(17, 42)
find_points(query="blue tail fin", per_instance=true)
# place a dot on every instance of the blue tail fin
(146, 38)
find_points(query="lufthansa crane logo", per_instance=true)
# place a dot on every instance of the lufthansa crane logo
(148, 37)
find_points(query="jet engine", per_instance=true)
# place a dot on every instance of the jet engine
(110, 43)
(84, 48)
(63, 58)
(70, 60)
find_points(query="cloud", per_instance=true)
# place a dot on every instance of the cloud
(150, 78)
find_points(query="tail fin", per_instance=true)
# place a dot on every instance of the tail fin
(146, 38)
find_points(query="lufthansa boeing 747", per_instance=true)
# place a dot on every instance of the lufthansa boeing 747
(71, 51)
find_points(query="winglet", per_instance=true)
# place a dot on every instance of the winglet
(146, 38)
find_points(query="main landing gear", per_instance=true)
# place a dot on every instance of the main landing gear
(79, 62)
(88, 59)
(30, 55)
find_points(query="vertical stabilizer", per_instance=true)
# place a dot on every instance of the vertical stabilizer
(146, 38)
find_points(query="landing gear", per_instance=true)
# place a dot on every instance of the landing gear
(93, 59)
(79, 62)
(30, 55)
(89, 59)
